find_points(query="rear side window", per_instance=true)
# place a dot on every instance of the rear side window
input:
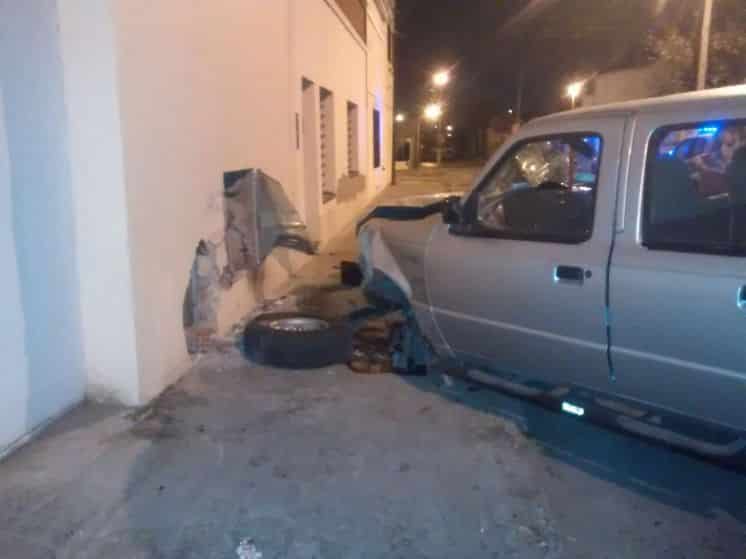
(695, 189)
(544, 189)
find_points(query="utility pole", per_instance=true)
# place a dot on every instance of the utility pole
(704, 45)
(519, 90)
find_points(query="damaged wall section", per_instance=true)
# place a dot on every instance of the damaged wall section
(258, 218)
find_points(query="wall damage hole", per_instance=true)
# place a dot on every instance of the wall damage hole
(202, 298)
(258, 217)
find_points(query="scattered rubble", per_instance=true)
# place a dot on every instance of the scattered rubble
(371, 349)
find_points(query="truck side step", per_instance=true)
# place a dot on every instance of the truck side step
(677, 439)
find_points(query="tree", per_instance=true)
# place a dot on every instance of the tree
(673, 53)
(727, 63)
(674, 48)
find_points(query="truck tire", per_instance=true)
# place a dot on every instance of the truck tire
(296, 340)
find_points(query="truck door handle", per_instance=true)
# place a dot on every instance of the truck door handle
(570, 274)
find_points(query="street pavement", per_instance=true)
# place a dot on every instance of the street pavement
(336, 465)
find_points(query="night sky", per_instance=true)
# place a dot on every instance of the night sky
(484, 43)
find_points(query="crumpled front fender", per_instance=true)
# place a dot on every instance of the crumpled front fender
(382, 275)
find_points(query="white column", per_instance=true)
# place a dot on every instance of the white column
(100, 199)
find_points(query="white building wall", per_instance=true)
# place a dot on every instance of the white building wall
(45, 377)
(121, 117)
(328, 52)
(14, 380)
(624, 85)
(216, 88)
(203, 90)
(97, 167)
(380, 94)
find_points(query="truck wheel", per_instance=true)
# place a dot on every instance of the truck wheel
(297, 340)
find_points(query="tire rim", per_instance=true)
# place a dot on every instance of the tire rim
(299, 324)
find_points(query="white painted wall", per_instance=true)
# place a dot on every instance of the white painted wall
(14, 373)
(380, 94)
(98, 178)
(42, 222)
(203, 90)
(121, 117)
(327, 51)
(210, 89)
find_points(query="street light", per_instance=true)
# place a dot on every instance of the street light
(449, 128)
(400, 117)
(573, 92)
(441, 78)
(433, 112)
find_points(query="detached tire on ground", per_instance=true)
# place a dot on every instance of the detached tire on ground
(297, 341)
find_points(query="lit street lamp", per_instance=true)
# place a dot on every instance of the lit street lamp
(400, 117)
(449, 128)
(573, 92)
(433, 112)
(441, 78)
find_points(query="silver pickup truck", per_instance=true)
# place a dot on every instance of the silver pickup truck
(598, 263)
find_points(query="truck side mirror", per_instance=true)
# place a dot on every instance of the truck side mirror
(451, 210)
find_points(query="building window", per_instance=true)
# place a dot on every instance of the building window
(695, 189)
(326, 129)
(353, 167)
(376, 138)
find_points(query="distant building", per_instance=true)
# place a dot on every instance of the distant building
(121, 122)
(624, 85)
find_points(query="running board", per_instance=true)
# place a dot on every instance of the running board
(626, 417)
(671, 437)
(502, 384)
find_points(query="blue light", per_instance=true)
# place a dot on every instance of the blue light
(708, 130)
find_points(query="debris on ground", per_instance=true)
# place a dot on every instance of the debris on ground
(247, 550)
(202, 340)
(158, 420)
(371, 354)
(389, 345)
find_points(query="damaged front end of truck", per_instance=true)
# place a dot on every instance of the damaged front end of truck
(393, 243)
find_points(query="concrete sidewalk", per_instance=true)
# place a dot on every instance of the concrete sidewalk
(334, 465)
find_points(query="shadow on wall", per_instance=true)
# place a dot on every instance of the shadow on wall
(42, 207)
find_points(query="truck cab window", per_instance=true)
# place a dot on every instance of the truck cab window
(543, 189)
(695, 189)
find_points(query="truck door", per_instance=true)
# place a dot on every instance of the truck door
(678, 274)
(520, 287)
